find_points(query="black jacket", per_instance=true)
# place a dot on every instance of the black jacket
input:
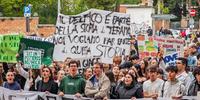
(127, 92)
(50, 86)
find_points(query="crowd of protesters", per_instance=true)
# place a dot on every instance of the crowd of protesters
(130, 78)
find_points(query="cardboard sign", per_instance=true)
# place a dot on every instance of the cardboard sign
(9, 45)
(46, 49)
(32, 59)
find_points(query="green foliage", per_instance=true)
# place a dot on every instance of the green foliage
(197, 17)
(12, 7)
(72, 7)
(170, 7)
(165, 10)
(185, 11)
(194, 3)
(46, 10)
(130, 1)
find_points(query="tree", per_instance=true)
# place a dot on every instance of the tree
(12, 7)
(185, 10)
(130, 1)
(47, 9)
(101, 4)
(164, 8)
(72, 7)
(177, 11)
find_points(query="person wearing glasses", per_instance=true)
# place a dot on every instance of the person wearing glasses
(47, 83)
(73, 83)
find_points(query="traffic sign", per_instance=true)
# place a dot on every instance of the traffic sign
(193, 12)
(27, 11)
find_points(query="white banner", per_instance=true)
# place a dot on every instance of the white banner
(88, 62)
(6, 94)
(94, 33)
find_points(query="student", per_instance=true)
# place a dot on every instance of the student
(152, 86)
(87, 73)
(72, 83)
(195, 84)
(182, 75)
(98, 86)
(10, 83)
(47, 83)
(129, 88)
(60, 76)
(32, 77)
(172, 88)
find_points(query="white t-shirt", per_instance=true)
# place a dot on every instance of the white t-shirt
(152, 87)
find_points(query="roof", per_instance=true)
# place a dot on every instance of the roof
(135, 6)
(163, 16)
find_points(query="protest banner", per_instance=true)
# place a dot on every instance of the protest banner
(6, 94)
(32, 59)
(9, 47)
(170, 45)
(146, 46)
(94, 33)
(46, 49)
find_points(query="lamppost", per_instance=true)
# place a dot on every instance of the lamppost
(27, 14)
(59, 6)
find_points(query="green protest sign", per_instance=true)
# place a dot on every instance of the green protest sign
(32, 59)
(46, 49)
(9, 45)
